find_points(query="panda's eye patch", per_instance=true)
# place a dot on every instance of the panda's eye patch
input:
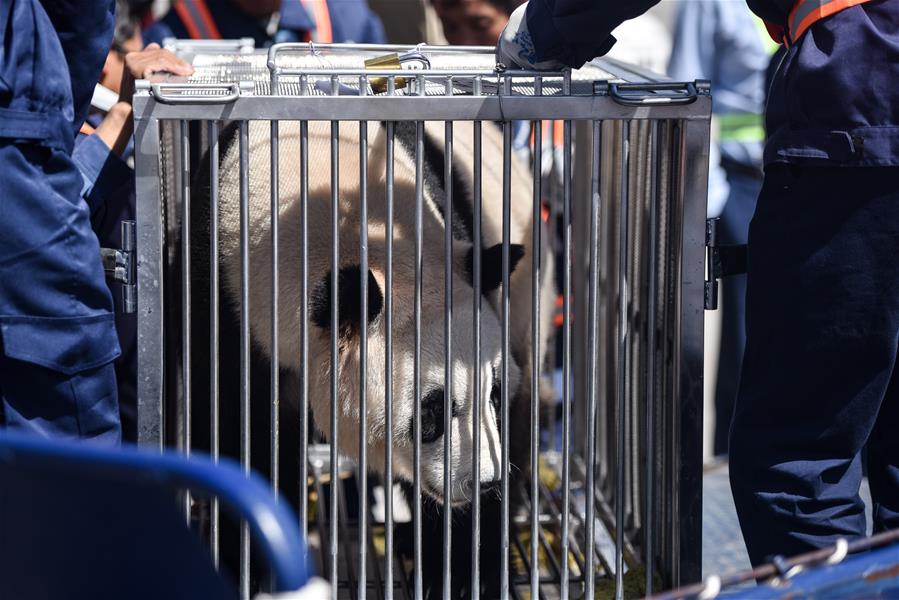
(432, 415)
(496, 392)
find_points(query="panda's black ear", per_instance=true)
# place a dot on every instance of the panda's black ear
(349, 286)
(492, 265)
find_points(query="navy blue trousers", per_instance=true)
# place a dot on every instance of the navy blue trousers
(819, 381)
(733, 228)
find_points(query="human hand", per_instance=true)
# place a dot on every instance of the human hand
(148, 62)
(515, 47)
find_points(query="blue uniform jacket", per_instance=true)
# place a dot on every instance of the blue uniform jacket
(834, 99)
(55, 307)
(108, 189)
(351, 21)
(51, 58)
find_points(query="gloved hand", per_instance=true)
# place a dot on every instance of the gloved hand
(515, 48)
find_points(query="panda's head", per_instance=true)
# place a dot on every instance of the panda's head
(432, 373)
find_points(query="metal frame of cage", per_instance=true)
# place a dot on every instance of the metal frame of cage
(632, 186)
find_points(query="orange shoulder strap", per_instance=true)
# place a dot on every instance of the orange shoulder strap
(806, 13)
(197, 19)
(322, 17)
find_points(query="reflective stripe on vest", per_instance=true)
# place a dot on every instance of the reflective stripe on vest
(806, 13)
(740, 127)
(197, 20)
(322, 17)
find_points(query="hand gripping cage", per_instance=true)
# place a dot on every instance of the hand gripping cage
(616, 162)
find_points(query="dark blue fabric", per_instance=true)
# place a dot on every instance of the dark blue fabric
(52, 55)
(85, 32)
(105, 175)
(835, 97)
(354, 21)
(232, 23)
(51, 403)
(56, 322)
(50, 270)
(834, 100)
(56, 325)
(575, 31)
(733, 228)
(79, 529)
(819, 376)
(351, 20)
(109, 191)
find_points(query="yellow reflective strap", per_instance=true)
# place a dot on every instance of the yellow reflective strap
(741, 127)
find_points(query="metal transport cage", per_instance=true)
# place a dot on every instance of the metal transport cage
(301, 215)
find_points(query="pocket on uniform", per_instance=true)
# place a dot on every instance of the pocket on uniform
(65, 344)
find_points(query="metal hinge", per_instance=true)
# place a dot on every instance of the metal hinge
(121, 265)
(721, 261)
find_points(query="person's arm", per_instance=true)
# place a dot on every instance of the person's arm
(98, 157)
(576, 31)
(116, 128)
(84, 29)
(549, 34)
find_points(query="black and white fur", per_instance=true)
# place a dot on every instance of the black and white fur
(319, 277)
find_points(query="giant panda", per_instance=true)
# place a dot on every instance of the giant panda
(349, 298)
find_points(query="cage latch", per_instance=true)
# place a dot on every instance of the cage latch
(395, 62)
(121, 265)
(721, 261)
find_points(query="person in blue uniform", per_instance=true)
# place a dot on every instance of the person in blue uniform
(57, 334)
(723, 42)
(819, 382)
(102, 153)
(269, 21)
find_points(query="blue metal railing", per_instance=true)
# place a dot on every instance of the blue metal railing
(66, 503)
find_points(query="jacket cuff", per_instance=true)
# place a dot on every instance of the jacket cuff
(103, 172)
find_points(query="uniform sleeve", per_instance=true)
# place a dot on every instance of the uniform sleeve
(103, 173)
(374, 30)
(85, 29)
(575, 31)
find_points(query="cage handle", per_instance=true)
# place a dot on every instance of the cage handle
(158, 90)
(686, 93)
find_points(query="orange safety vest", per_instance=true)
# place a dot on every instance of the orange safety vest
(200, 25)
(806, 13)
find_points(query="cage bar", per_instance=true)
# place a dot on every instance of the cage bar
(612, 481)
